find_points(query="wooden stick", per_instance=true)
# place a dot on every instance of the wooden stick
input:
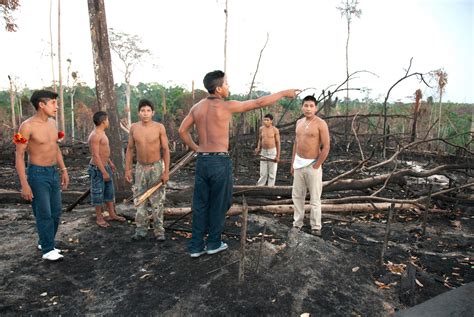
(185, 160)
(261, 246)
(426, 211)
(243, 238)
(387, 233)
(78, 201)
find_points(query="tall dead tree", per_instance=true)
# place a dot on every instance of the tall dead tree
(72, 92)
(241, 125)
(226, 12)
(385, 127)
(104, 81)
(348, 10)
(61, 125)
(51, 51)
(442, 79)
(416, 111)
(12, 103)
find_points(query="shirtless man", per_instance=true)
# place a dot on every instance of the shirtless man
(213, 182)
(149, 139)
(40, 182)
(269, 149)
(310, 150)
(100, 171)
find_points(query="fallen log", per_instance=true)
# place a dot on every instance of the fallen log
(288, 209)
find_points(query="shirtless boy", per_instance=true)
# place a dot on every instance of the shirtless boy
(310, 150)
(148, 138)
(269, 149)
(213, 181)
(40, 182)
(100, 171)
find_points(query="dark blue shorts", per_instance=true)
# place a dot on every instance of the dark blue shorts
(101, 191)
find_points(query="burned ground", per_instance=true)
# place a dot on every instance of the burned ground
(286, 272)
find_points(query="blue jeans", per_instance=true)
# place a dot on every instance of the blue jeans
(101, 191)
(211, 200)
(45, 185)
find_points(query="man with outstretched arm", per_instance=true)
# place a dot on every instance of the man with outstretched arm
(41, 182)
(213, 181)
(310, 150)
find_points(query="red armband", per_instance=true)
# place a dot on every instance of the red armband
(19, 139)
(60, 135)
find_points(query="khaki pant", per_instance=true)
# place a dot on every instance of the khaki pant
(145, 177)
(268, 169)
(307, 178)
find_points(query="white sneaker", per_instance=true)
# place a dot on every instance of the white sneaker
(57, 250)
(52, 255)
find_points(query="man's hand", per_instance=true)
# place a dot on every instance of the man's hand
(165, 177)
(257, 151)
(292, 93)
(276, 160)
(112, 166)
(315, 166)
(64, 180)
(292, 170)
(106, 176)
(26, 192)
(128, 176)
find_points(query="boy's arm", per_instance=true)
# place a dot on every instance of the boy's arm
(166, 154)
(129, 156)
(26, 192)
(325, 143)
(293, 153)
(63, 169)
(185, 134)
(277, 144)
(257, 150)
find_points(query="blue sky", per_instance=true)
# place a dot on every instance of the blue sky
(306, 43)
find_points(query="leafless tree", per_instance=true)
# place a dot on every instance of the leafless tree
(127, 47)
(348, 10)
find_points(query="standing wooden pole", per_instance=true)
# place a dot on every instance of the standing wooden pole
(243, 238)
(261, 246)
(387, 233)
(426, 211)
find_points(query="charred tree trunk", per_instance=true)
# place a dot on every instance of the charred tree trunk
(104, 81)
(415, 115)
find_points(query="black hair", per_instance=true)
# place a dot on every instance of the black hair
(269, 116)
(309, 98)
(42, 96)
(145, 102)
(99, 117)
(213, 80)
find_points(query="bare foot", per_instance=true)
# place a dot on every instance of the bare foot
(102, 223)
(116, 217)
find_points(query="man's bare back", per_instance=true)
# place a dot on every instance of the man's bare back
(146, 139)
(212, 118)
(103, 150)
